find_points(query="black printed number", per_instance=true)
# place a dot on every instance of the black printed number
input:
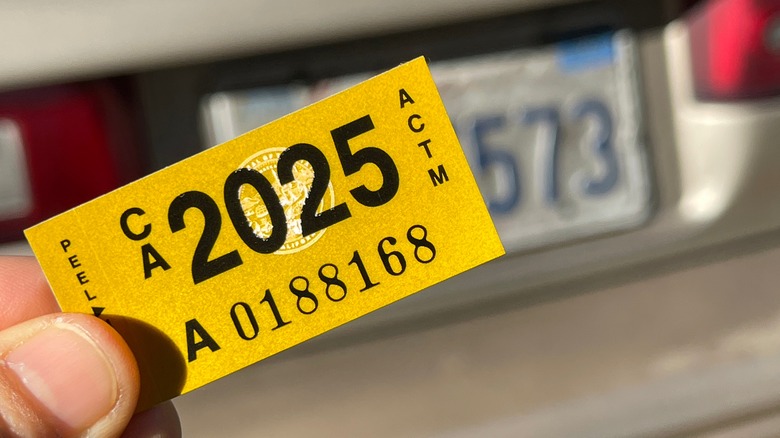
(353, 162)
(333, 281)
(311, 222)
(304, 295)
(419, 243)
(388, 257)
(202, 267)
(235, 211)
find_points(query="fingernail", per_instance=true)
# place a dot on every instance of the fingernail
(68, 374)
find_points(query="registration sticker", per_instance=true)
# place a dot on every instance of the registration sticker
(277, 236)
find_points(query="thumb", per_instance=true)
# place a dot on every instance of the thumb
(65, 375)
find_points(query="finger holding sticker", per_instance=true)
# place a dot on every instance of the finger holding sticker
(65, 374)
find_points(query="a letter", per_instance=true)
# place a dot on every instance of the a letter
(439, 178)
(405, 97)
(424, 144)
(152, 259)
(192, 327)
(74, 261)
(65, 244)
(126, 227)
(82, 276)
(411, 125)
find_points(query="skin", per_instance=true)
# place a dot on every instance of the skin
(28, 312)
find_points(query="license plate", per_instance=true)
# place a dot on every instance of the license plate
(552, 134)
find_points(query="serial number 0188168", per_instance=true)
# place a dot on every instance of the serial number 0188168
(334, 288)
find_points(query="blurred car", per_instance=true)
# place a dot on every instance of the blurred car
(604, 134)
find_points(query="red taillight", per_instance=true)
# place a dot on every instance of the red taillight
(60, 146)
(735, 48)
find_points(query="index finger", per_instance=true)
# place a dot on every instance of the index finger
(24, 291)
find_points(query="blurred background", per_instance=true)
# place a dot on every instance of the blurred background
(627, 150)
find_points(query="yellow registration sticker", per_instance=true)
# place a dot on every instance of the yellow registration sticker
(277, 236)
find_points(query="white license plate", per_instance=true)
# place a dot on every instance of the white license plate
(552, 134)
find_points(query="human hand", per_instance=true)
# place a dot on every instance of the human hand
(64, 374)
